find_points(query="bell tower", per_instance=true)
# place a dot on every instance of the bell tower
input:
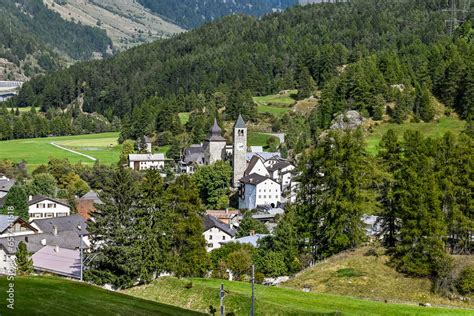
(239, 157)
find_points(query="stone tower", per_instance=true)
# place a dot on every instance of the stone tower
(214, 145)
(239, 158)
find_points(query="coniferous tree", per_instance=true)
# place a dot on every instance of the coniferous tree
(389, 156)
(333, 194)
(249, 225)
(23, 261)
(286, 240)
(18, 199)
(417, 204)
(305, 83)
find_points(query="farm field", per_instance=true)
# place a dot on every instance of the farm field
(198, 294)
(37, 151)
(260, 139)
(58, 296)
(431, 129)
(276, 104)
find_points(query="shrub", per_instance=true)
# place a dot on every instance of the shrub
(465, 282)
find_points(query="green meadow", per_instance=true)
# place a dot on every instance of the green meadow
(431, 129)
(37, 151)
(199, 294)
(53, 296)
(276, 104)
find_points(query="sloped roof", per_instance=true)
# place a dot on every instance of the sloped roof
(240, 123)
(251, 165)
(264, 155)
(5, 221)
(211, 221)
(63, 224)
(195, 153)
(64, 262)
(279, 165)
(6, 185)
(146, 157)
(254, 178)
(91, 196)
(38, 198)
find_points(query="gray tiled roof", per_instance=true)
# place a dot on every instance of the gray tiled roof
(215, 134)
(195, 153)
(279, 165)
(38, 198)
(34, 242)
(254, 178)
(63, 224)
(6, 185)
(91, 196)
(211, 221)
(5, 222)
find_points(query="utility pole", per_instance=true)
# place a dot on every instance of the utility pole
(222, 299)
(82, 257)
(457, 15)
(252, 307)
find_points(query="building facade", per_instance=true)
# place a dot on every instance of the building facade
(44, 207)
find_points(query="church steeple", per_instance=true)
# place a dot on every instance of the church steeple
(240, 122)
(215, 133)
(239, 157)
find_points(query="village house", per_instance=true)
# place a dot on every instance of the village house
(258, 191)
(15, 226)
(40, 206)
(56, 234)
(216, 232)
(229, 217)
(141, 162)
(87, 204)
(5, 185)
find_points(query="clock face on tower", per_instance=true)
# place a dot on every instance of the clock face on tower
(240, 146)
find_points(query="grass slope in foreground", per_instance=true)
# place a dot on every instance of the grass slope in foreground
(37, 151)
(55, 296)
(431, 129)
(271, 300)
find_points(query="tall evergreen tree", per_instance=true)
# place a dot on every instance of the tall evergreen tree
(333, 194)
(23, 261)
(417, 203)
(18, 199)
(305, 83)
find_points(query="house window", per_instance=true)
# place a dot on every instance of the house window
(51, 205)
(223, 237)
(36, 215)
(5, 258)
(61, 214)
(48, 215)
(259, 196)
(210, 237)
(210, 245)
(264, 196)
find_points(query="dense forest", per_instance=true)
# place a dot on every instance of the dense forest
(29, 28)
(354, 52)
(193, 13)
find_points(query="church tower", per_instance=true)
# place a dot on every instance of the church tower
(214, 145)
(239, 158)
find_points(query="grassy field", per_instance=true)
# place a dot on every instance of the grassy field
(431, 129)
(276, 104)
(271, 300)
(37, 151)
(50, 296)
(364, 273)
(24, 109)
(260, 139)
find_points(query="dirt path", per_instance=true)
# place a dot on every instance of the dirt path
(73, 151)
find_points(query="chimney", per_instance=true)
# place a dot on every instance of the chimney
(252, 233)
(56, 249)
(30, 198)
(43, 242)
(55, 230)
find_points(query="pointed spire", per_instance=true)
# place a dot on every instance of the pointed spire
(240, 123)
(215, 133)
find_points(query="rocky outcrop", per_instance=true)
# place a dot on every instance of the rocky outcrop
(347, 121)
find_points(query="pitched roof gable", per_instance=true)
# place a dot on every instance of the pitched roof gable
(39, 198)
(211, 221)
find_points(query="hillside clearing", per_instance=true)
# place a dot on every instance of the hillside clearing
(276, 104)
(58, 296)
(364, 273)
(431, 129)
(270, 300)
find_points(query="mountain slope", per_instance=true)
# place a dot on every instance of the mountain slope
(263, 56)
(193, 13)
(126, 22)
(33, 37)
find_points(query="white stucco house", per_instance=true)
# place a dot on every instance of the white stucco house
(40, 206)
(256, 166)
(216, 232)
(256, 190)
(146, 161)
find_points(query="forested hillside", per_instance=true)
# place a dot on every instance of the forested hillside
(33, 37)
(360, 54)
(193, 13)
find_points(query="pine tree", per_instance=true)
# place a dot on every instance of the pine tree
(306, 85)
(334, 194)
(286, 240)
(389, 156)
(417, 204)
(18, 199)
(23, 261)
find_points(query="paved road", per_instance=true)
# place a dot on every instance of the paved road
(73, 151)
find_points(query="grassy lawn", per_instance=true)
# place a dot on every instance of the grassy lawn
(431, 129)
(24, 109)
(50, 296)
(184, 117)
(37, 151)
(276, 104)
(271, 300)
(364, 273)
(260, 139)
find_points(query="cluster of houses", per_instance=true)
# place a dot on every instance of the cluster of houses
(263, 180)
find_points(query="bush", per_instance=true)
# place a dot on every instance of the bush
(259, 277)
(465, 282)
(189, 285)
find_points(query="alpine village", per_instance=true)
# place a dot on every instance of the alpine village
(245, 157)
